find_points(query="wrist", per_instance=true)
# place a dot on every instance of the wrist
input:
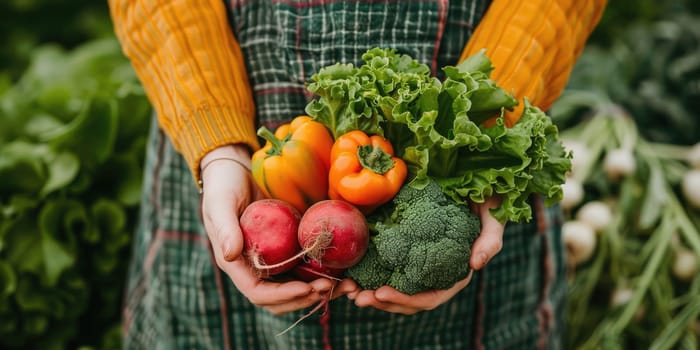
(239, 152)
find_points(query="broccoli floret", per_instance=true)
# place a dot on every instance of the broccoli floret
(438, 265)
(369, 272)
(422, 242)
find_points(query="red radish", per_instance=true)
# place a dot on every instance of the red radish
(311, 269)
(270, 236)
(335, 233)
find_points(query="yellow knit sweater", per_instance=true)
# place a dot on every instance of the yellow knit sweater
(193, 70)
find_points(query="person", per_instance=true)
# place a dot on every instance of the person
(216, 70)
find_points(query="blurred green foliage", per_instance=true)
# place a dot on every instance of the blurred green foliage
(71, 154)
(649, 67)
(74, 122)
(25, 24)
(621, 14)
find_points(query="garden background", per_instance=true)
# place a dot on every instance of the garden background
(73, 122)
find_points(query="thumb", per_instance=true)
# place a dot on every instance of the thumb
(490, 240)
(225, 194)
(221, 223)
(222, 203)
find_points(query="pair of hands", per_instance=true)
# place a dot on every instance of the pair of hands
(228, 188)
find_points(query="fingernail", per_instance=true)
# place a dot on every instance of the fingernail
(227, 249)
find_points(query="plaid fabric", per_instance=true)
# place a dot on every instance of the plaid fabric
(177, 298)
(285, 42)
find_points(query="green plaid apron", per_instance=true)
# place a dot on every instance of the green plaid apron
(177, 298)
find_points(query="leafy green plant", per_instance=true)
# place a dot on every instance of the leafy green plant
(71, 153)
(639, 288)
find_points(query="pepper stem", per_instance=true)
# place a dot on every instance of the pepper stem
(277, 144)
(375, 159)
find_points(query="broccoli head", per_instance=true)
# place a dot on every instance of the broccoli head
(421, 240)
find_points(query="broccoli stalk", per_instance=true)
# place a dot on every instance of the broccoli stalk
(420, 241)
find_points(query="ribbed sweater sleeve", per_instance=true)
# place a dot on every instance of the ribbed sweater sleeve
(192, 70)
(534, 44)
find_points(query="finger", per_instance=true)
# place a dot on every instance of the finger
(367, 298)
(320, 289)
(489, 242)
(322, 285)
(427, 300)
(296, 304)
(345, 287)
(262, 292)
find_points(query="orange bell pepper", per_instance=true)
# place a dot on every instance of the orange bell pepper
(364, 170)
(293, 165)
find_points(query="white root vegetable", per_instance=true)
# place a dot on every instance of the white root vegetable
(596, 214)
(621, 296)
(580, 241)
(580, 154)
(693, 156)
(690, 186)
(685, 265)
(619, 163)
(572, 193)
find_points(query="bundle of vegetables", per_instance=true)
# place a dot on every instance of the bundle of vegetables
(437, 127)
(71, 152)
(632, 231)
(406, 144)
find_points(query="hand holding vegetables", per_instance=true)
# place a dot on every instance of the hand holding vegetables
(446, 157)
(227, 190)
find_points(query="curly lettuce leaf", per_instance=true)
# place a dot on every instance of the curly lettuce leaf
(352, 98)
(525, 159)
(437, 127)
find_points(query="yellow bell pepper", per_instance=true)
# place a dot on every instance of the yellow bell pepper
(293, 165)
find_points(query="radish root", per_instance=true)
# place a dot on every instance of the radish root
(323, 304)
(322, 242)
(314, 250)
(320, 274)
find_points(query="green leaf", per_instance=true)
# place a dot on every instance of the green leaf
(134, 110)
(91, 135)
(41, 123)
(20, 206)
(122, 178)
(21, 242)
(8, 279)
(63, 168)
(57, 258)
(21, 168)
(34, 324)
(60, 225)
(655, 198)
(109, 219)
(524, 159)
(30, 297)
